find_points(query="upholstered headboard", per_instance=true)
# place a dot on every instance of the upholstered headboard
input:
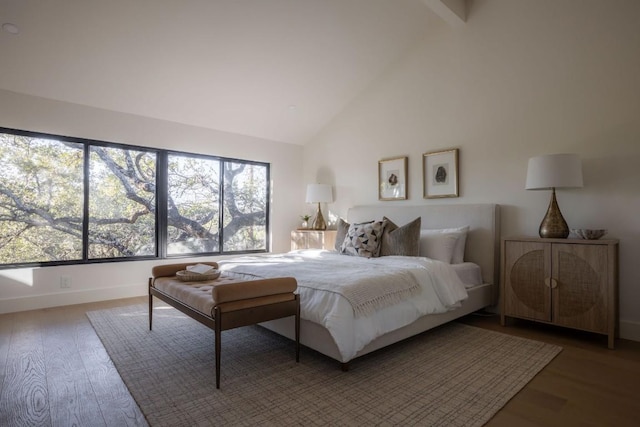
(483, 239)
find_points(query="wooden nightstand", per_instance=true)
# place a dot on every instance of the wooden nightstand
(565, 282)
(313, 239)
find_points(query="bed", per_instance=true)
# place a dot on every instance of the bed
(481, 251)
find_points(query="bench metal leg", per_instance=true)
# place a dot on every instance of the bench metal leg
(150, 306)
(218, 333)
(298, 330)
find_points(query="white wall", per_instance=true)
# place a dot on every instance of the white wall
(31, 288)
(520, 78)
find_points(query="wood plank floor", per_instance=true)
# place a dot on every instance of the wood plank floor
(585, 385)
(54, 371)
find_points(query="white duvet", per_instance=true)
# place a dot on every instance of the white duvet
(440, 290)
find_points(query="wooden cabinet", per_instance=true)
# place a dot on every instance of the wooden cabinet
(565, 282)
(313, 239)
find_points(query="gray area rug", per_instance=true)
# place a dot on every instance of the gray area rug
(455, 375)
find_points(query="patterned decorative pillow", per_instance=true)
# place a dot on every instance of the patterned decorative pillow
(403, 240)
(363, 239)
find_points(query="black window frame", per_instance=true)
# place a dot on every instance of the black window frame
(161, 235)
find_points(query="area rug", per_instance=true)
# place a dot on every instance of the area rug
(454, 375)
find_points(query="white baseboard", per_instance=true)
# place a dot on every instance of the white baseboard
(36, 302)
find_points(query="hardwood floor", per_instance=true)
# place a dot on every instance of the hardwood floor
(585, 385)
(54, 371)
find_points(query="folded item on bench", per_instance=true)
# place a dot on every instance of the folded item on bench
(168, 270)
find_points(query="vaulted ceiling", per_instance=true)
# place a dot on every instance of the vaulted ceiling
(274, 69)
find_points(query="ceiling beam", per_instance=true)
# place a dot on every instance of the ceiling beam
(454, 12)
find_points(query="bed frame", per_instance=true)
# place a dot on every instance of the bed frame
(482, 248)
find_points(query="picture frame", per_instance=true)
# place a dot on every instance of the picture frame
(440, 174)
(392, 178)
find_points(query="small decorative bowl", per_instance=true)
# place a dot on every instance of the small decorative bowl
(589, 234)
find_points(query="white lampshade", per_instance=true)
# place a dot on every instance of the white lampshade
(319, 193)
(554, 171)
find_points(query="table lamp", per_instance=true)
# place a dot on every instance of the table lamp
(319, 193)
(553, 171)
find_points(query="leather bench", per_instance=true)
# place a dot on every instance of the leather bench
(227, 302)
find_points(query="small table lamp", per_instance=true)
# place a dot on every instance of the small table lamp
(550, 172)
(319, 193)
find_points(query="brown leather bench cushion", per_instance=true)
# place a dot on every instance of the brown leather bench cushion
(234, 291)
(226, 292)
(255, 302)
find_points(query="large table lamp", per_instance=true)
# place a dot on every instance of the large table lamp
(549, 172)
(319, 193)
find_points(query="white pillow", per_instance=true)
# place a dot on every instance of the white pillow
(457, 256)
(438, 246)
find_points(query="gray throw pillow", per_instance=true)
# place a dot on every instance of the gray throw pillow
(403, 240)
(342, 229)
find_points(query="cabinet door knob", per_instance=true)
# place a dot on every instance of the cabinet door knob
(550, 283)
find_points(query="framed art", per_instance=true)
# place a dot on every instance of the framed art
(392, 179)
(440, 174)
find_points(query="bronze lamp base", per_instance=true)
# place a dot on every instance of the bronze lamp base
(318, 222)
(553, 226)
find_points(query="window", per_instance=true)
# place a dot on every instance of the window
(122, 196)
(69, 200)
(193, 207)
(245, 196)
(41, 200)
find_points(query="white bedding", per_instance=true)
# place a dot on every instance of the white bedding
(469, 273)
(440, 287)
